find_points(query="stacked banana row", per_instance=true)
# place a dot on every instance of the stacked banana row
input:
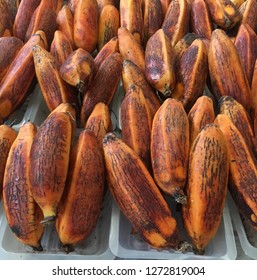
(188, 118)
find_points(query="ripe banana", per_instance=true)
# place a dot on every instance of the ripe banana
(43, 18)
(78, 69)
(137, 195)
(65, 23)
(170, 148)
(225, 79)
(246, 45)
(130, 48)
(193, 64)
(206, 189)
(54, 89)
(17, 80)
(60, 47)
(176, 21)
(243, 171)
(80, 206)
(131, 18)
(239, 117)
(153, 18)
(135, 115)
(22, 19)
(10, 47)
(49, 161)
(109, 48)
(7, 137)
(132, 75)
(70, 110)
(100, 122)
(22, 213)
(159, 61)
(224, 13)
(181, 46)
(109, 22)
(200, 20)
(103, 86)
(201, 114)
(86, 20)
(248, 11)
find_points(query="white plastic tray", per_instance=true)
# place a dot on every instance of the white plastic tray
(94, 247)
(129, 246)
(246, 235)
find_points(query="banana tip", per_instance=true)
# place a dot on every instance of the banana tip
(68, 248)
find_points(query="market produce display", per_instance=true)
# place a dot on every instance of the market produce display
(187, 122)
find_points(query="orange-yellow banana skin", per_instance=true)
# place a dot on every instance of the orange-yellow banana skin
(239, 117)
(133, 116)
(248, 11)
(225, 79)
(109, 48)
(43, 18)
(78, 69)
(23, 17)
(103, 85)
(86, 21)
(130, 48)
(109, 22)
(60, 47)
(206, 187)
(193, 64)
(100, 122)
(54, 89)
(176, 21)
(201, 114)
(17, 80)
(153, 17)
(7, 137)
(49, 161)
(201, 23)
(132, 75)
(224, 13)
(246, 45)
(10, 47)
(65, 23)
(170, 148)
(80, 206)
(137, 195)
(131, 17)
(22, 212)
(160, 63)
(243, 171)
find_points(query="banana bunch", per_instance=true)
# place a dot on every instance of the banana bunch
(188, 118)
